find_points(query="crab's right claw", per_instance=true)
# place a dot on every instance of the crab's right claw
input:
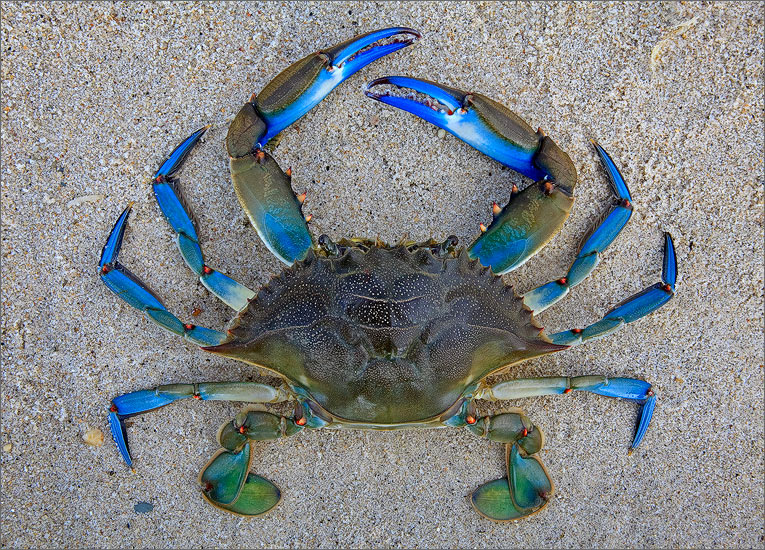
(263, 189)
(532, 216)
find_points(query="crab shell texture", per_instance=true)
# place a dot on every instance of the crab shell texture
(380, 336)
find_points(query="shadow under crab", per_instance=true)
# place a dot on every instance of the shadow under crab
(370, 336)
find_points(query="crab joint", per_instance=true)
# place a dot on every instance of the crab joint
(495, 209)
(483, 228)
(301, 197)
(206, 270)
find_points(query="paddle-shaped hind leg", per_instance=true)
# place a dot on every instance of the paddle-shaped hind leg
(225, 480)
(528, 487)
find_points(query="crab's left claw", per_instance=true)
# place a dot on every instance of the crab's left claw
(302, 85)
(264, 190)
(532, 216)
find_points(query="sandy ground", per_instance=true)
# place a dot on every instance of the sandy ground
(94, 96)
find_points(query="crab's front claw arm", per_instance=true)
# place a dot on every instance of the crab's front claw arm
(264, 190)
(531, 217)
(299, 87)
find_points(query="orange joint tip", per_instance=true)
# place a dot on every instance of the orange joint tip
(301, 197)
(289, 172)
(301, 421)
(495, 209)
(470, 419)
(567, 390)
(308, 218)
(483, 228)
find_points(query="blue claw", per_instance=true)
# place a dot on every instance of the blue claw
(477, 120)
(297, 89)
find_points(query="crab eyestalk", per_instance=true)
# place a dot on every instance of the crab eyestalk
(532, 216)
(263, 189)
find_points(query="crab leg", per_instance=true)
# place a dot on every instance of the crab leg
(631, 309)
(626, 388)
(264, 190)
(137, 402)
(225, 480)
(128, 287)
(528, 487)
(593, 244)
(534, 215)
(176, 213)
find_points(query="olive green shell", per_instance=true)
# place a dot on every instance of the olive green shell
(385, 335)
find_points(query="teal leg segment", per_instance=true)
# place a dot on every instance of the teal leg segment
(594, 243)
(128, 287)
(631, 309)
(137, 402)
(225, 481)
(531, 218)
(177, 215)
(632, 389)
(528, 487)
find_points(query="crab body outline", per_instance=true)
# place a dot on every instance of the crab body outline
(374, 336)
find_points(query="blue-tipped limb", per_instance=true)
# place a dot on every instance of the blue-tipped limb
(177, 214)
(597, 239)
(631, 309)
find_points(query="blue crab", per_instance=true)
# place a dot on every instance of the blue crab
(367, 335)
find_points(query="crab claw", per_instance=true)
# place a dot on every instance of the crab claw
(263, 189)
(299, 87)
(482, 123)
(531, 217)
